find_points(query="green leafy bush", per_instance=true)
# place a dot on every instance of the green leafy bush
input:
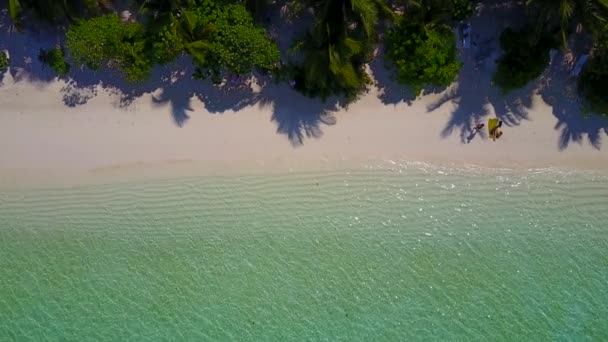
(107, 41)
(524, 59)
(168, 45)
(55, 59)
(219, 37)
(4, 61)
(422, 56)
(240, 45)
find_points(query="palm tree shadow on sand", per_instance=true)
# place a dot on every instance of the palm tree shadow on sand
(296, 116)
(24, 49)
(473, 95)
(559, 90)
(171, 85)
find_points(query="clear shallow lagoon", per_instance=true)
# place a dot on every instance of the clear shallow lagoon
(411, 253)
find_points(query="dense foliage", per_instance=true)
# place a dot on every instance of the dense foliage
(107, 41)
(329, 57)
(55, 59)
(524, 59)
(422, 56)
(4, 61)
(234, 43)
(565, 15)
(220, 37)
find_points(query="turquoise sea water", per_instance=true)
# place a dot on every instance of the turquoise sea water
(403, 254)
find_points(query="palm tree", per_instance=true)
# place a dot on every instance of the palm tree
(195, 33)
(560, 15)
(431, 14)
(330, 68)
(334, 52)
(14, 10)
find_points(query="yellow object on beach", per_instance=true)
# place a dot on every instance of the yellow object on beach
(492, 127)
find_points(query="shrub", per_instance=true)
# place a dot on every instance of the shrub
(524, 59)
(240, 45)
(422, 56)
(219, 38)
(55, 59)
(107, 41)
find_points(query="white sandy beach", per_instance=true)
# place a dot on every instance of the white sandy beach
(67, 131)
(41, 138)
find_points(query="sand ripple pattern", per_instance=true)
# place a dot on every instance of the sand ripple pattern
(378, 254)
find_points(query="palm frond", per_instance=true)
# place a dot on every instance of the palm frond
(367, 13)
(14, 8)
(198, 50)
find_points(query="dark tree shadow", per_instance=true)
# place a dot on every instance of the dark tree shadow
(24, 48)
(559, 90)
(235, 94)
(390, 92)
(296, 116)
(473, 93)
(171, 85)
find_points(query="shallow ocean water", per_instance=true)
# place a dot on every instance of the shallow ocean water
(396, 253)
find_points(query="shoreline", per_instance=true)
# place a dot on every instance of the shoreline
(39, 180)
(44, 142)
(80, 129)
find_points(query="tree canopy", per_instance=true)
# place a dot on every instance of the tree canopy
(422, 56)
(332, 54)
(329, 57)
(524, 59)
(107, 41)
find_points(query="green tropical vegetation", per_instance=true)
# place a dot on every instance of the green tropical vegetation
(106, 41)
(332, 54)
(422, 46)
(525, 58)
(566, 15)
(55, 59)
(4, 61)
(329, 57)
